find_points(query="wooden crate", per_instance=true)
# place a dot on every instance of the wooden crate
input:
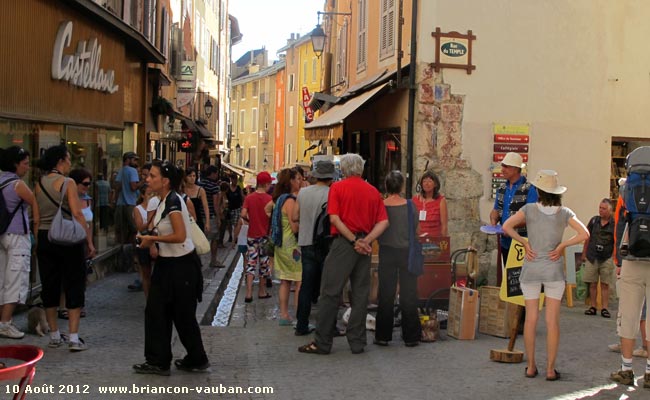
(463, 313)
(495, 314)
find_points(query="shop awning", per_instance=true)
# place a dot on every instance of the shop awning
(237, 169)
(337, 115)
(233, 169)
(205, 133)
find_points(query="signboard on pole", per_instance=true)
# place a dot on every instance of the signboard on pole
(309, 113)
(507, 138)
(186, 84)
(510, 288)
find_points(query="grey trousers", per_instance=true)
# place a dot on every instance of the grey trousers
(343, 263)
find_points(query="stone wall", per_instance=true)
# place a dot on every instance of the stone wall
(438, 146)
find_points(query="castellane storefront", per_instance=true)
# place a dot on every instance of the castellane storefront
(79, 79)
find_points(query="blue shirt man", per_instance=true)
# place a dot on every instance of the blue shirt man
(511, 196)
(128, 179)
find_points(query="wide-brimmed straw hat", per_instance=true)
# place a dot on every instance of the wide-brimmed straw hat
(513, 160)
(547, 180)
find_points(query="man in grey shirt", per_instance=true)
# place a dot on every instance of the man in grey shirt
(309, 204)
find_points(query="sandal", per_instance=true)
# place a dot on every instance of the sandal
(591, 311)
(533, 375)
(311, 348)
(82, 313)
(554, 378)
(266, 296)
(62, 314)
(605, 314)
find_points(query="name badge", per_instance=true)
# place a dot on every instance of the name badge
(423, 215)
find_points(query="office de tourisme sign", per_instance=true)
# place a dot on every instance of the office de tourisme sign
(81, 68)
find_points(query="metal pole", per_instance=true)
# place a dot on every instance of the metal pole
(411, 110)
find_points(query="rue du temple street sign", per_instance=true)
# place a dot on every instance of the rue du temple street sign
(453, 50)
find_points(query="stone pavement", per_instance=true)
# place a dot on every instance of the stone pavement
(255, 351)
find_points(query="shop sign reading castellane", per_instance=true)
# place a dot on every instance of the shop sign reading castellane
(81, 68)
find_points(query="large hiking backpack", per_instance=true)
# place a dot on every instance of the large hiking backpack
(637, 201)
(322, 236)
(5, 215)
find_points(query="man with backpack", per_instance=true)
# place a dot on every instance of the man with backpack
(597, 256)
(313, 238)
(358, 217)
(633, 247)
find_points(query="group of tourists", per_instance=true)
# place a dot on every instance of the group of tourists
(315, 237)
(613, 243)
(154, 207)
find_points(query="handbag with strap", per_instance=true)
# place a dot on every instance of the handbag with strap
(201, 243)
(64, 232)
(416, 258)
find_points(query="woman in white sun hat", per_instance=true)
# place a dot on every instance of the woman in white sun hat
(546, 221)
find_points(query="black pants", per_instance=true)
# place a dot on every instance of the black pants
(312, 269)
(175, 287)
(61, 268)
(393, 264)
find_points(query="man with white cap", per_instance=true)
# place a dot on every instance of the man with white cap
(511, 196)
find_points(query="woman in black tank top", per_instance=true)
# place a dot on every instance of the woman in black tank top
(198, 197)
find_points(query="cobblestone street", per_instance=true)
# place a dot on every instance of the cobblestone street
(255, 351)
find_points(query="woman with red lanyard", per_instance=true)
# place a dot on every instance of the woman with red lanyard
(432, 207)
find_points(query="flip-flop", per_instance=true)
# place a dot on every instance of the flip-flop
(605, 314)
(268, 296)
(554, 378)
(591, 311)
(311, 348)
(533, 375)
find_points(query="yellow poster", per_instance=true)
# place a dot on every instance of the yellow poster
(511, 129)
(510, 289)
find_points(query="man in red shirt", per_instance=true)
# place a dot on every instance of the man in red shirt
(254, 212)
(358, 217)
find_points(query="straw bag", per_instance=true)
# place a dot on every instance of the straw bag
(430, 327)
(201, 243)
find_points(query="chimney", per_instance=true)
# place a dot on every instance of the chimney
(292, 36)
(297, 36)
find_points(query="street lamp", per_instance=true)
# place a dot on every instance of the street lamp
(318, 34)
(318, 40)
(207, 107)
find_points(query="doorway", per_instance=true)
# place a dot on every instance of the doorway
(388, 155)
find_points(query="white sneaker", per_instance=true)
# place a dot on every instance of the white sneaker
(56, 343)
(616, 347)
(9, 330)
(640, 352)
(77, 346)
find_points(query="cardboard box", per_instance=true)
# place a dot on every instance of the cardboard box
(495, 315)
(463, 313)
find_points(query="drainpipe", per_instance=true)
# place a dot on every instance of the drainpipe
(411, 110)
